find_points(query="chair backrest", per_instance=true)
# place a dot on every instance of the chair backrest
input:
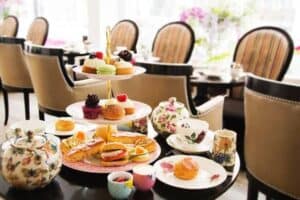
(9, 26)
(174, 43)
(13, 68)
(161, 81)
(50, 80)
(272, 111)
(125, 33)
(264, 51)
(38, 31)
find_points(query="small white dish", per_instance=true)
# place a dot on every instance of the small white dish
(207, 170)
(50, 128)
(204, 146)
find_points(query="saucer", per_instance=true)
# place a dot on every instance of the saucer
(205, 146)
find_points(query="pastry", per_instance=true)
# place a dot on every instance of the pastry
(76, 154)
(94, 146)
(140, 154)
(106, 69)
(112, 110)
(126, 137)
(124, 68)
(67, 144)
(64, 124)
(114, 154)
(91, 109)
(147, 143)
(126, 104)
(186, 169)
(90, 65)
(103, 131)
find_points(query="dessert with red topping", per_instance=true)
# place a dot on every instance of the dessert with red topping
(126, 103)
(91, 109)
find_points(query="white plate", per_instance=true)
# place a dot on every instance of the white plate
(141, 110)
(32, 125)
(204, 146)
(50, 128)
(137, 71)
(207, 168)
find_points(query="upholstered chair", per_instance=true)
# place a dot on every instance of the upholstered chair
(38, 31)
(53, 87)
(13, 72)
(265, 52)
(9, 26)
(125, 33)
(174, 43)
(164, 80)
(272, 113)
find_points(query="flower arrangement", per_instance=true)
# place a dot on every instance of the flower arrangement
(216, 28)
(8, 7)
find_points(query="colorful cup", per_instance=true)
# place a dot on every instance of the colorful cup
(224, 148)
(144, 177)
(120, 184)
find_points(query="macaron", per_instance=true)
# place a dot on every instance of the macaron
(106, 69)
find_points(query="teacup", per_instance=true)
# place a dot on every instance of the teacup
(191, 131)
(120, 184)
(144, 177)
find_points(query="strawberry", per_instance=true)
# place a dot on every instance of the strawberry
(120, 179)
(122, 97)
(99, 55)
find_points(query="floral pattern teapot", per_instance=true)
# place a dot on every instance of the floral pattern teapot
(166, 115)
(30, 161)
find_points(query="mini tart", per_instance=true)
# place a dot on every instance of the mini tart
(124, 68)
(186, 169)
(90, 65)
(64, 124)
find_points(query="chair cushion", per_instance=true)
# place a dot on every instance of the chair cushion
(234, 108)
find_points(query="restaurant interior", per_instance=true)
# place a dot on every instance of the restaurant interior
(136, 99)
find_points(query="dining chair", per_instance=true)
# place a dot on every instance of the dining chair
(272, 112)
(125, 33)
(53, 87)
(266, 52)
(38, 31)
(164, 80)
(9, 26)
(174, 43)
(13, 72)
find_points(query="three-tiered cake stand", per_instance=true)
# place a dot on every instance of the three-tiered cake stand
(141, 110)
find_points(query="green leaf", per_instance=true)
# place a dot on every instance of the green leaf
(193, 136)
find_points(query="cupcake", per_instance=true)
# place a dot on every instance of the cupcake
(106, 69)
(126, 103)
(91, 109)
(125, 55)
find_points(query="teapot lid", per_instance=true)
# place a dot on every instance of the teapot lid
(172, 104)
(30, 141)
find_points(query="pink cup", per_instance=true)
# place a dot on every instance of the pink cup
(143, 177)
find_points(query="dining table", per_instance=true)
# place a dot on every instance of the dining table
(71, 184)
(203, 82)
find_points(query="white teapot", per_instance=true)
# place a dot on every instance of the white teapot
(166, 115)
(30, 161)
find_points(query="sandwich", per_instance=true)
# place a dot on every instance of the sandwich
(114, 154)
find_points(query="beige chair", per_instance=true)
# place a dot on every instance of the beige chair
(265, 52)
(125, 33)
(9, 26)
(52, 86)
(174, 43)
(272, 112)
(13, 72)
(38, 31)
(162, 81)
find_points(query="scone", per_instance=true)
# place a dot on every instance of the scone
(112, 110)
(126, 103)
(64, 124)
(186, 169)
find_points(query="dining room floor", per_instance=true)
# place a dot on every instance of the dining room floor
(16, 105)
